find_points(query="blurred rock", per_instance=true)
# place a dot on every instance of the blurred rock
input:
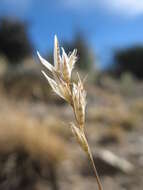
(108, 164)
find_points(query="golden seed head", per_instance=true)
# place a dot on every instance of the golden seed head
(61, 81)
(73, 93)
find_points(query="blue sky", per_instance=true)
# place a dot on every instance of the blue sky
(106, 24)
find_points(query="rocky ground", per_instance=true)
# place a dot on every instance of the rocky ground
(47, 156)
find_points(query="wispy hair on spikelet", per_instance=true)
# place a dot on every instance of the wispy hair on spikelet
(73, 93)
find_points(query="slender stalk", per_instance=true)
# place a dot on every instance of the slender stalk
(92, 162)
(95, 170)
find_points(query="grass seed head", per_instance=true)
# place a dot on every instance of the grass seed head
(73, 93)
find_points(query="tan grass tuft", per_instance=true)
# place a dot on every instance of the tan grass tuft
(21, 133)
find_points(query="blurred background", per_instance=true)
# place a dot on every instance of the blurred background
(37, 149)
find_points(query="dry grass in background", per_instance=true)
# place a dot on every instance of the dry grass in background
(28, 131)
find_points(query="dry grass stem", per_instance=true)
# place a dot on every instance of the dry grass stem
(73, 93)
